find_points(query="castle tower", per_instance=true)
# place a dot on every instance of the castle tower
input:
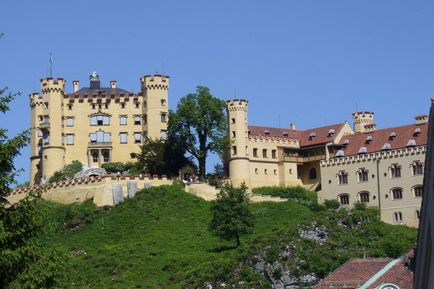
(156, 105)
(363, 121)
(49, 122)
(35, 138)
(239, 170)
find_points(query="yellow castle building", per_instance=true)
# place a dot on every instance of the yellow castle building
(359, 163)
(93, 124)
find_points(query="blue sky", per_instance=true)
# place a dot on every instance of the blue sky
(308, 62)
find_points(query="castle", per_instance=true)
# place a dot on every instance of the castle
(378, 167)
(93, 124)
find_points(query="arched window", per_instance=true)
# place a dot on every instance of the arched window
(312, 174)
(397, 217)
(418, 191)
(364, 197)
(396, 193)
(344, 199)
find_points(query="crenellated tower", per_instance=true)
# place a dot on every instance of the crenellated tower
(156, 105)
(47, 119)
(239, 169)
(363, 121)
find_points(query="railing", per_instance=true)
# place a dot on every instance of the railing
(100, 144)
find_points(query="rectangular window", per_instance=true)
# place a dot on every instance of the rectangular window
(255, 152)
(137, 137)
(123, 120)
(343, 178)
(40, 133)
(363, 175)
(69, 139)
(233, 134)
(93, 121)
(264, 153)
(395, 171)
(69, 121)
(106, 137)
(137, 104)
(273, 154)
(163, 117)
(93, 137)
(105, 120)
(417, 169)
(99, 136)
(137, 120)
(123, 137)
(163, 134)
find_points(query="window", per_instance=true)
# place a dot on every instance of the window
(233, 134)
(123, 120)
(163, 135)
(364, 197)
(163, 102)
(69, 121)
(255, 152)
(397, 193)
(362, 175)
(100, 137)
(99, 120)
(137, 137)
(395, 171)
(265, 172)
(45, 104)
(69, 139)
(343, 178)
(93, 106)
(137, 120)
(95, 157)
(122, 105)
(234, 150)
(273, 154)
(106, 105)
(417, 168)
(69, 106)
(106, 156)
(232, 120)
(99, 106)
(275, 172)
(145, 119)
(344, 199)
(123, 137)
(264, 153)
(40, 133)
(418, 191)
(137, 104)
(46, 138)
(312, 174)
(256, 171)
(163, 117)
(397, 217)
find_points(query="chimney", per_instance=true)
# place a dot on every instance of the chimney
(113, 83)
(421, 119)
(292, 126)
(75, 85)
(94, 81)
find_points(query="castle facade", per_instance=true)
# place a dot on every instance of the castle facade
(93, 124)
(378, 167)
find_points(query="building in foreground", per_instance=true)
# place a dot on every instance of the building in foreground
(379, 167)
(93, 124)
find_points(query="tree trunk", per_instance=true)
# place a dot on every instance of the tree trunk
(202, 168)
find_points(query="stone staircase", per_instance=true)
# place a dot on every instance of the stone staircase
(209, 193)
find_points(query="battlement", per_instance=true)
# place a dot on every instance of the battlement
(156, 81)
(237, 104)
(362, 115)
(52, 85)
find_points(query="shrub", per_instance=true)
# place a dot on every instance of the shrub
(113, 167)
(79, 215)
(296, 193)
(332, 204)
(67, 173)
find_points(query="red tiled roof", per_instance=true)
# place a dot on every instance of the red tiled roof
(321, 134)
(382, 136)
(398, 275)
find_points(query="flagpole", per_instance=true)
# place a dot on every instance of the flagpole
(51, 64)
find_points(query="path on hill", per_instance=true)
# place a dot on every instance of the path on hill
(209, 193)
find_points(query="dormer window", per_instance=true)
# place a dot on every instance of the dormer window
(363, 150)
(312, 135)
(340, 153)
(285, 134)
(346, 142)
(416, 131)
(267, 132)
(392, 135)
(411, 143)
(368, 139)
(386, 146)
(331, 132)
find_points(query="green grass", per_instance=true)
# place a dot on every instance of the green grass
(159, 239)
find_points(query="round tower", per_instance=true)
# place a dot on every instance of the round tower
(156, 105)
(50, 124)
(361, 119)
(239, 168)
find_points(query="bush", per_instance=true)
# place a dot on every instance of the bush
(332, 204)
(296, 193)
(67, 173)
(79, 214)
(113, 167)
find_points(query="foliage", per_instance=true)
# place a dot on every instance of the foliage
(200, 123)
(295, 193)
(114, 167)
(332, 204)
(231, 216)
(79, 215)
(67, 173)
(23, 262)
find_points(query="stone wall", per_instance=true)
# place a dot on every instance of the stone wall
(99, 188)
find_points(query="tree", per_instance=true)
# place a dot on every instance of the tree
(200, 122)
(231, 216)
(23, 261)
(67, 173)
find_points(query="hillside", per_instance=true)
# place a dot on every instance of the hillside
(160, 240)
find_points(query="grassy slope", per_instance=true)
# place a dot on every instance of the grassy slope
(159, 240)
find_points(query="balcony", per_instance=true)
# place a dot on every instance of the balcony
(100, 144)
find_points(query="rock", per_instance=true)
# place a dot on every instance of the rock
(118, 196)
(131, 189)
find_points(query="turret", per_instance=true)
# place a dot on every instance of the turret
(363, 121)
(156, 106)
(239, 170)
(50, 124)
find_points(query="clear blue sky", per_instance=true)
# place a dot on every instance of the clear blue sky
(308, 62)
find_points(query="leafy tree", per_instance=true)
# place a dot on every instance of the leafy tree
(23, 262)
(231, 216)
(67, 173)
(113, 167)
(200, 122)
(332, 204)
